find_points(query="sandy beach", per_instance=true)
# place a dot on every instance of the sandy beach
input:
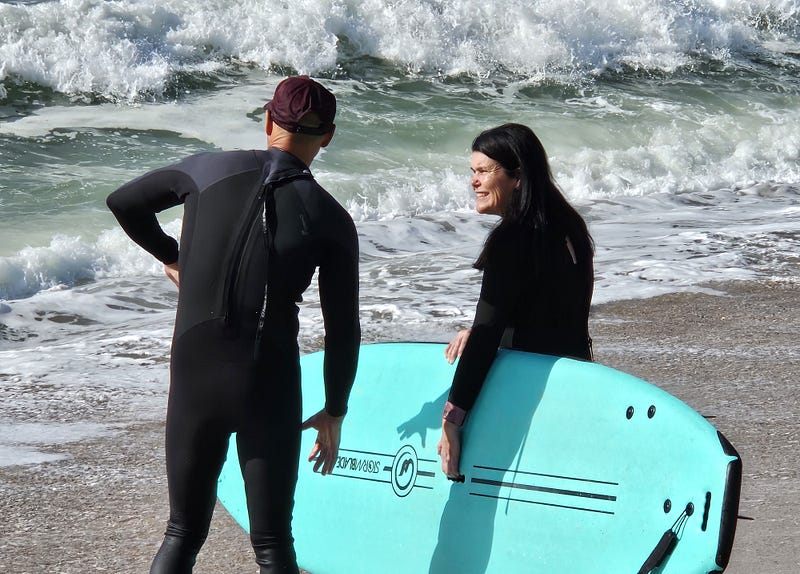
(733, 356)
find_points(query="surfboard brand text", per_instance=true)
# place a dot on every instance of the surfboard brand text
(359, 464)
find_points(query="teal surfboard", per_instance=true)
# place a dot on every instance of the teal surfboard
(570, 467)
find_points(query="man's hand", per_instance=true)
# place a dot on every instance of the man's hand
(173, 273)
(326, 447)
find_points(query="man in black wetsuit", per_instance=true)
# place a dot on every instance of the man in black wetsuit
(256, 225)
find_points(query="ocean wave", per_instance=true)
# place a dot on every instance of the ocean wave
(73, 260)
(119, 50)
(689, 239)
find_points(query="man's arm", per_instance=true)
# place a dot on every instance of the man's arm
(338, 293)
(136, 203)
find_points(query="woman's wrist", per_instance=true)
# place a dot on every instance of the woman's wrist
(454, 414)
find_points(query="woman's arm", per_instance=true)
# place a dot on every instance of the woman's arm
(500, 290)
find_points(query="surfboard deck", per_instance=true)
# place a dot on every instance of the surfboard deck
(570, 467)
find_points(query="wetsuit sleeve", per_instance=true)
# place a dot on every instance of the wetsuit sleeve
(136, 203)
(500, 292)
(338, 293)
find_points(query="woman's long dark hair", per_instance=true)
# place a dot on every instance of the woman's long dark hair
(538, 204)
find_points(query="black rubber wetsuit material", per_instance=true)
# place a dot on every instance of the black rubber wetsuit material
(228, 374)
(534, 297)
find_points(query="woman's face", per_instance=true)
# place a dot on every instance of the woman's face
(492, 185)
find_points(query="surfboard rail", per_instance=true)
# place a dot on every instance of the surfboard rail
(730, 503)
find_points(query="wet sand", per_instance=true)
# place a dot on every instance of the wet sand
(733, 356)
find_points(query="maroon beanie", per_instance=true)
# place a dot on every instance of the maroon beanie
(300, 95)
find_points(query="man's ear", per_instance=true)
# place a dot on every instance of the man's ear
(269, 124)
(329, 136)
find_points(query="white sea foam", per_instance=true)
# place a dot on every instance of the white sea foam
(700, 237)
(637, 165)
(678, 139)
(122, 49)
(70, 260)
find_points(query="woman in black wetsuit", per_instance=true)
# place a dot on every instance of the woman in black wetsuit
(537, 268)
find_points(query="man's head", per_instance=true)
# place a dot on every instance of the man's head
(300, 117)
(302, 106)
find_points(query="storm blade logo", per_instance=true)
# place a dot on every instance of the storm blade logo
(404, 470)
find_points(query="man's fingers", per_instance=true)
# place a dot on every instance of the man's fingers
(322, 458)
(323, 464)
(314, 452)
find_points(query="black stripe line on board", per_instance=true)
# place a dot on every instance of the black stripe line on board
(546, 475)
(426, 473)
(546, 489)
(543, 503)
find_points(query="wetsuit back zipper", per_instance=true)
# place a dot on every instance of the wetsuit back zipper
(235, 262)
(259, 204)
(262, 316)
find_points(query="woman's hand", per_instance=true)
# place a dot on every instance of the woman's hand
(449, 450)
(326, 447)
(456, 346)
(173, 273)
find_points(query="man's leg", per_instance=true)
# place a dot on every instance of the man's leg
(269, 449)
(192, 478)
(196, 446)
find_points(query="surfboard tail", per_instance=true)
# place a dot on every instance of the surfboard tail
(730, 503)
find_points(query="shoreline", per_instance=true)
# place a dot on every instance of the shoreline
(732, 356)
